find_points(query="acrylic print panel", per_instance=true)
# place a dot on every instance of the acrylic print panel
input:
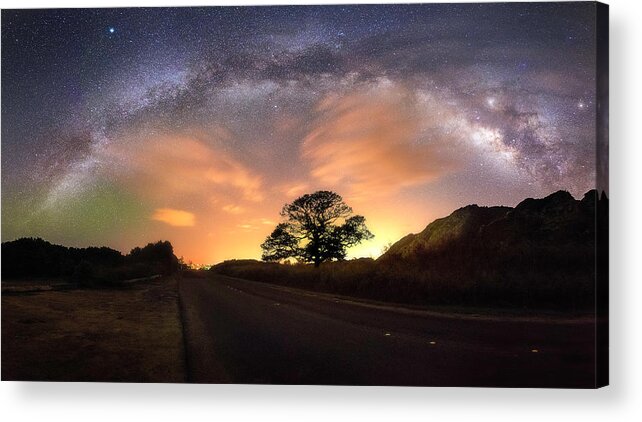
(347, 194)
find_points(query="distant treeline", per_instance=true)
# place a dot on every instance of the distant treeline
(34, 257)
(540, 254)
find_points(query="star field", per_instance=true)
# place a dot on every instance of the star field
(122, 126)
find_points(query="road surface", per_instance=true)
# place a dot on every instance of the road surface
(239, 331)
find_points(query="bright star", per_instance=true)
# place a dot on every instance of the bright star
(491, 102)
(112, 30)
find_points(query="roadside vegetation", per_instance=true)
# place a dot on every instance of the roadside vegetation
(400, 283)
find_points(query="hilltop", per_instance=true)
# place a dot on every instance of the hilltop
(553, 222)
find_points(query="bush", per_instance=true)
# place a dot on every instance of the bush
(420, 285)
(83, 274)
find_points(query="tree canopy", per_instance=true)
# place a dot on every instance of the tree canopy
(318, 227)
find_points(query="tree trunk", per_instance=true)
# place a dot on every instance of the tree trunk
(315, 250)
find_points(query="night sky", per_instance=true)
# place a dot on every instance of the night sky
(126, 126)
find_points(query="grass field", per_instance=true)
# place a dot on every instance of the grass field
(131, 334)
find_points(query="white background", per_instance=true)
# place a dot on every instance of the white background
(622, 401)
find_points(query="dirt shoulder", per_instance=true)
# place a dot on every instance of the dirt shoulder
(128, 335)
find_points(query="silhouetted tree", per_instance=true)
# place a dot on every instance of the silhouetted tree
(29, 257)
(159, 254)
(318, 227)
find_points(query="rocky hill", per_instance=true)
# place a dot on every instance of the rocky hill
(552, 222)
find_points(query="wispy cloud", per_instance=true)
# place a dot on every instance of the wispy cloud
(176, 218)
(233, 209)
(177, 165)
(371, 142)
(294, 189)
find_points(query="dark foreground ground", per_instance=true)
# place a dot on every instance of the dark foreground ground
(131, 334)
(238, 331)
(228, 330)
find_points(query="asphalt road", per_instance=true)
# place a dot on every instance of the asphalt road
(239, 331)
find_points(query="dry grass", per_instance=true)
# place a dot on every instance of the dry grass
(458, 285)
(132, 335)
